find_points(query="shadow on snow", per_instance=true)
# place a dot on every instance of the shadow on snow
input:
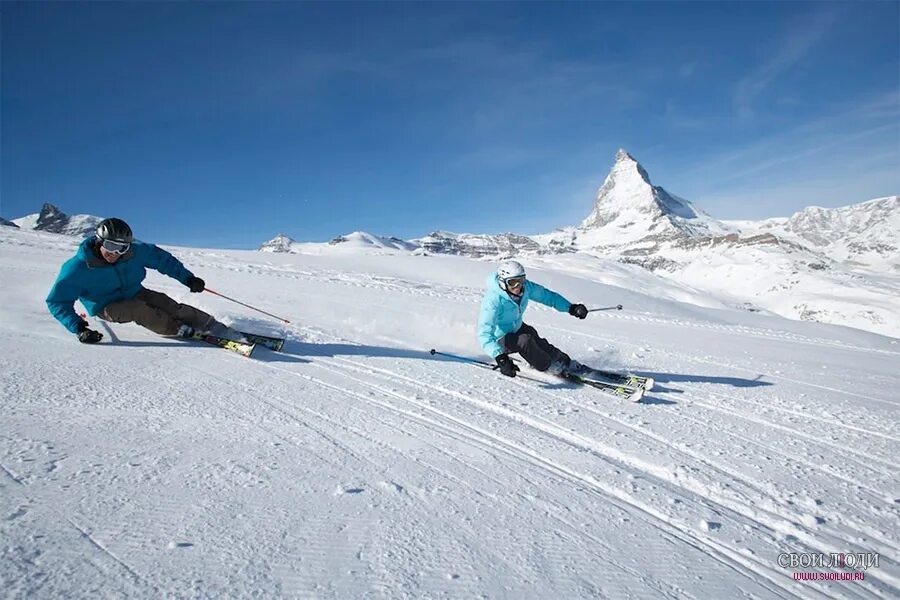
(684, 378)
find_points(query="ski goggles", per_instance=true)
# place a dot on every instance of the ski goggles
(115, 247)
(514, 282)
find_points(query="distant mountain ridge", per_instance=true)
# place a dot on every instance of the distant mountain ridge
(51, 219)
(646, 225)
(838, 265)
(356, 241)
(863, 234)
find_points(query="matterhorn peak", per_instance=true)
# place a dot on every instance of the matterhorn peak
(627, 166)
(51, 219)
(623, 156)
(628, 202)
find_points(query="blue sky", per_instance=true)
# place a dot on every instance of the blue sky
(223, 124)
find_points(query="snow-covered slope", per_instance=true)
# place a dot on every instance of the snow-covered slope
(355, 464)
(53, 220)
(7, 223)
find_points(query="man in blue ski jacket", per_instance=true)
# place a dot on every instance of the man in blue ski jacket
(501, 331)
(106, 274)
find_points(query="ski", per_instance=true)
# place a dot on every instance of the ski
(619, 390)
(241, 348)
(626, 392)
(627, 379)
(611, 378)
(272, 343)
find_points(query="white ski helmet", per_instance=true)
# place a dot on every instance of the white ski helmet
(510, 270)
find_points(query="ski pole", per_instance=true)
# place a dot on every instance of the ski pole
(481, 363)
(463, 358)
(242, 304)
(616, 307)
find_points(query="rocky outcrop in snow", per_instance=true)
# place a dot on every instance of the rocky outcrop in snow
(860, 235)
(52, 220)
(478, 246)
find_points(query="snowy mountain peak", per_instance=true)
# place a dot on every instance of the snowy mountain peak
(51, 219)
(362, 239)
(356, 241)
(627, 165)
(622, 154)
(630, 204)
(279, 243)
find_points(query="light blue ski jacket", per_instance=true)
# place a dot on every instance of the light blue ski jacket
(501, 314)
(89, 278)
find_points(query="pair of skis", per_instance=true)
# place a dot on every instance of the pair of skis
(243, 348)
(622, 385)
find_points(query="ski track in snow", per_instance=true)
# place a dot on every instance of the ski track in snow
(789, 526)
(343, 467)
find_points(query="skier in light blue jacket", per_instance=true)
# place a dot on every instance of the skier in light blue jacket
(501, 331)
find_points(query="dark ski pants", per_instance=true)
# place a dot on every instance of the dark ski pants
(538, 352)
(157, 312)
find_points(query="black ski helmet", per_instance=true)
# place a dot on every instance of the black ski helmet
(115, 230)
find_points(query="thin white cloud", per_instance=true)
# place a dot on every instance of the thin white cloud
(830, 142)
(868, 114)
(793, 50)
(688, 69)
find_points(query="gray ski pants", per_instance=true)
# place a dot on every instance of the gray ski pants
(157, 312)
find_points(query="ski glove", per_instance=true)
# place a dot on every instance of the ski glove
(196, 284)
(507, 366)
(89, 336)
(578, 310)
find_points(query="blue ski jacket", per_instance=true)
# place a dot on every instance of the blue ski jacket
(97, 283)
(501, 313)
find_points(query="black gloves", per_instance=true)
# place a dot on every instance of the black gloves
(88, 336)
(196, 284)
(578, 310)
(507, 366)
